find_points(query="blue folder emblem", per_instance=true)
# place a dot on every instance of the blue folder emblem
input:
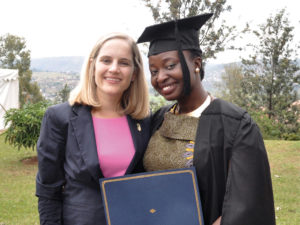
(169, 197)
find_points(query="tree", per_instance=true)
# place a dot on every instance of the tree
(63, 94)
(15, 55)
(271, 72)
(230, 86)
(213, 37)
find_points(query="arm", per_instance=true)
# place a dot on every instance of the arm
(249, 197)
(50, 177)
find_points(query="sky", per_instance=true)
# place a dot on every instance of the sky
(71, 27)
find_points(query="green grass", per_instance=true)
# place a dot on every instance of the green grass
(18, 204)
(284, 158)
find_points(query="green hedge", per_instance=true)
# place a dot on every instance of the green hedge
(24, 124)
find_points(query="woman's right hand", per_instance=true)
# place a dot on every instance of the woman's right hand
(218, 221)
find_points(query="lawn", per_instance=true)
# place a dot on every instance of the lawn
(284, 158)
(18, 205)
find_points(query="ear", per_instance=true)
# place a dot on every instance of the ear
(133, 76)
(198, 62)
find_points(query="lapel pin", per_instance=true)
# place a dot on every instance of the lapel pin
(138, 126)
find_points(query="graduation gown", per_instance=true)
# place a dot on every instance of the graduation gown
(232, 166)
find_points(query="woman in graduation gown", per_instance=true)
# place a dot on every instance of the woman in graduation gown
(218, 138)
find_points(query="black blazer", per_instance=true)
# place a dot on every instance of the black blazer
(67, 182)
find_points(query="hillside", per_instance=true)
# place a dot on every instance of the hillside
(69, 64)
(51, 83)
(54, 72)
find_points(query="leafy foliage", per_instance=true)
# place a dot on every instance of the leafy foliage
(271, 72)
(14, 55)
(270, 129)
(214, 35)
(157, 102)
(24, 124)
(230, 87)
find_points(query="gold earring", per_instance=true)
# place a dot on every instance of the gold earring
(197, 70)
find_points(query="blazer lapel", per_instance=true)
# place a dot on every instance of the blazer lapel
(84, 132)
(136, 131)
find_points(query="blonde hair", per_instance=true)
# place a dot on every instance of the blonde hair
(135, 100)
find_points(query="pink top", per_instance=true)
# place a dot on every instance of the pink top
(114, 145)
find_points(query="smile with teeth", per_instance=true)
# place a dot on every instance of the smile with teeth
(112, 79)
(166, 88)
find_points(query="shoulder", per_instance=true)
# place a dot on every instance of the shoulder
(158, 117)
(62, 107)
(62, 113)
(224, 115)
(59, 110)
(227, 109)
(161, 112)
(144, 121)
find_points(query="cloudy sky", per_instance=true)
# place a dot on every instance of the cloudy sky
(70, 27)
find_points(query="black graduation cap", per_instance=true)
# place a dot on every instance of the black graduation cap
(182, 34)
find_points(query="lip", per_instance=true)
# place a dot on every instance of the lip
(112, 80)
(167, 89)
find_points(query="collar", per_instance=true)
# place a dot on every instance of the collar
(197, 112)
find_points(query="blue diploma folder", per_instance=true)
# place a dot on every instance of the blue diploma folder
(169, 197)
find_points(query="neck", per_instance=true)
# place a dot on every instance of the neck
(110, 107)
(193, 101)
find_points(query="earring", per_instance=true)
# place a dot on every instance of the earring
(197, 70)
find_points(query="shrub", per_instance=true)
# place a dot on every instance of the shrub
(157, 102)
(270, 129)
(273, 129)
(291, 136)
(24, 124)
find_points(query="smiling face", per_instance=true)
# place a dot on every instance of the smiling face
(114, 68)
(167, 77)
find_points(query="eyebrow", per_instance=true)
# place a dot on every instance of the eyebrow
(103, 56)
(164, 60)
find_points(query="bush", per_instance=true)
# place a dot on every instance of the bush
(270, 129)
(291, 136)
(157, 102)
(24, 124)
(274, 130)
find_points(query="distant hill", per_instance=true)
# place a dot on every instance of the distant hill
(73, 64)
(212, 76)
(53, 73)
(68, 64)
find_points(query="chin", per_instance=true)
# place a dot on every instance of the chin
(172, 96)
(169, 98)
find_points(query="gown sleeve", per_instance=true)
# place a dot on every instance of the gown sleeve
(248, 198)
(50, 176)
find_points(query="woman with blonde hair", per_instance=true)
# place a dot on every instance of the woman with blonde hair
(102, 131)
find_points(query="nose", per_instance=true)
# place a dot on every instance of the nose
(161, 76)
(114, 67)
